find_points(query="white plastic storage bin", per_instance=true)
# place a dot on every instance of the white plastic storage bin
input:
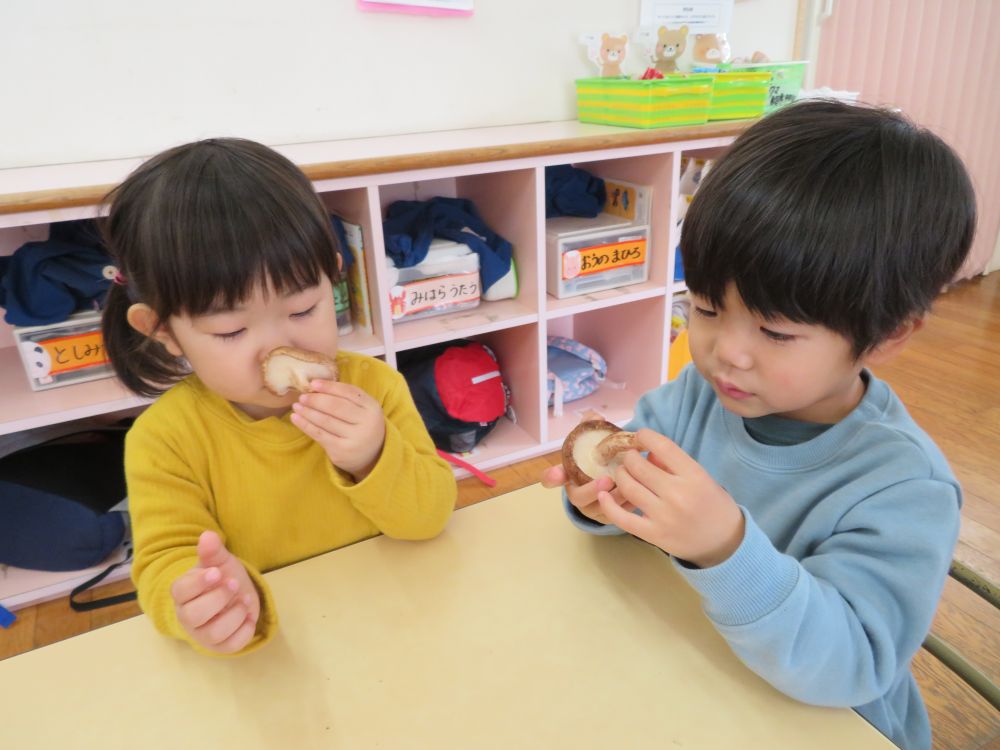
(64, 353)
(446, 280)
(585, 262)
(585, 255)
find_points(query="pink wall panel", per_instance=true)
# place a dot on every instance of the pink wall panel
(939, 62)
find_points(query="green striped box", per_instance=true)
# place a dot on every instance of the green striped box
(786, 80)
(675, 99)
(738, 96)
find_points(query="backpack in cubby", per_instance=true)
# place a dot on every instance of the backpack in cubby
(458, 389)
(574, 371)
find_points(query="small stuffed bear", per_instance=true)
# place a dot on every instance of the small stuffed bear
(669, 46)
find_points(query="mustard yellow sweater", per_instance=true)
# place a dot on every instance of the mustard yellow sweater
(195, 462)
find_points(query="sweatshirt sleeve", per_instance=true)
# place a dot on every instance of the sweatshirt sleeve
(411, 491)
(836, 628)
(169, 510)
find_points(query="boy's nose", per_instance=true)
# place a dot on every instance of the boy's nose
(731, 351)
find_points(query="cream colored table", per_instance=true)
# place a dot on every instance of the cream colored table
(510, 630)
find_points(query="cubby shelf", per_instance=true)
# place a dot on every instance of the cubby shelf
(502, 171)
(24, 409)
(558, 308)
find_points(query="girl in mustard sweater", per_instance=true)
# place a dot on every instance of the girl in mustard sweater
(225, 253)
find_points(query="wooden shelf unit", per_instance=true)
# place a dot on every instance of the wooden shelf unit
(502, 170)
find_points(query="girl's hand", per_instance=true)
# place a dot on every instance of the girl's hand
(216, 602)
(584, 498)
(346, 421)
(685, 512)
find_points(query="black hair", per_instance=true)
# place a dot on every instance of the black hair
(199, 227)
(846, 216)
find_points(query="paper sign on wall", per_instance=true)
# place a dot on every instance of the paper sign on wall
(700, 17)
(423, 7)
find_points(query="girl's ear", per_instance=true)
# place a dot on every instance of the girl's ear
(142, 318)
(893, 345)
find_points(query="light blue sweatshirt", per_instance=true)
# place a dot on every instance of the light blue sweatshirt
(850, 531)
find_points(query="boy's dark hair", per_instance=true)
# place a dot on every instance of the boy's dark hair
(827, 213)
(199, 227)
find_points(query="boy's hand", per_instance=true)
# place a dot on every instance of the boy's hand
(583, 498)
(346, 421)
(684, 511)
(217, 604)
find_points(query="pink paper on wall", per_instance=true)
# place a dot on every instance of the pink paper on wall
(439, 8)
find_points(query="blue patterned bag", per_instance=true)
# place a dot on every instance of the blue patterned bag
(574, 371)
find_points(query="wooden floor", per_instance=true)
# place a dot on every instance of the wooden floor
(949, 378)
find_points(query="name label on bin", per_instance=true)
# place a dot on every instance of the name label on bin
(603, 258)
(68, 353)
(439, 292)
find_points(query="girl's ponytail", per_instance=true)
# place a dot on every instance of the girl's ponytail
(140, 362)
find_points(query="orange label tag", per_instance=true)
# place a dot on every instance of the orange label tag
(437, 292)
(603, 258)
(69, 353)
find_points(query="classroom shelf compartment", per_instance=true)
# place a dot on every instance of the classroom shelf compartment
(658, 172)
(558, 308)
(22, 588)
(24, 409)
(632, 370)
(508, 202)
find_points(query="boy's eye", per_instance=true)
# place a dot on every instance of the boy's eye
(705, 312)
(775, 336)
(305, 313)
(229, 336)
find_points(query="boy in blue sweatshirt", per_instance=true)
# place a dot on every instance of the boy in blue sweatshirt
(793, 491)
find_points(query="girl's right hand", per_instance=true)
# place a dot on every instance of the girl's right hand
(217, 603)
(584, 497)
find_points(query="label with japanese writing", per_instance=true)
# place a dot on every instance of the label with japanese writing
(439, 292)
(68, 353)
(600, 258)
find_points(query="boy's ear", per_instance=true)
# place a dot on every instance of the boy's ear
(893, 345)
(142, 318)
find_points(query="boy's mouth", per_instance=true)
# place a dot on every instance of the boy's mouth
(731, 390)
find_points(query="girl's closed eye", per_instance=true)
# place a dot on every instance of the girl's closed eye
(230, 336)
(305, 313)
(705, 312)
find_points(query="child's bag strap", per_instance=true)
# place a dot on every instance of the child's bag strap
(107, 601)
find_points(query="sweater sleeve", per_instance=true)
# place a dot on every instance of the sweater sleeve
(169, 510)
(411, 491)
(836, 628)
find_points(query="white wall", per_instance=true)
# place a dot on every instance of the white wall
(114, 78)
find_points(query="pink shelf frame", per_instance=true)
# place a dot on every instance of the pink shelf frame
(629, 325)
